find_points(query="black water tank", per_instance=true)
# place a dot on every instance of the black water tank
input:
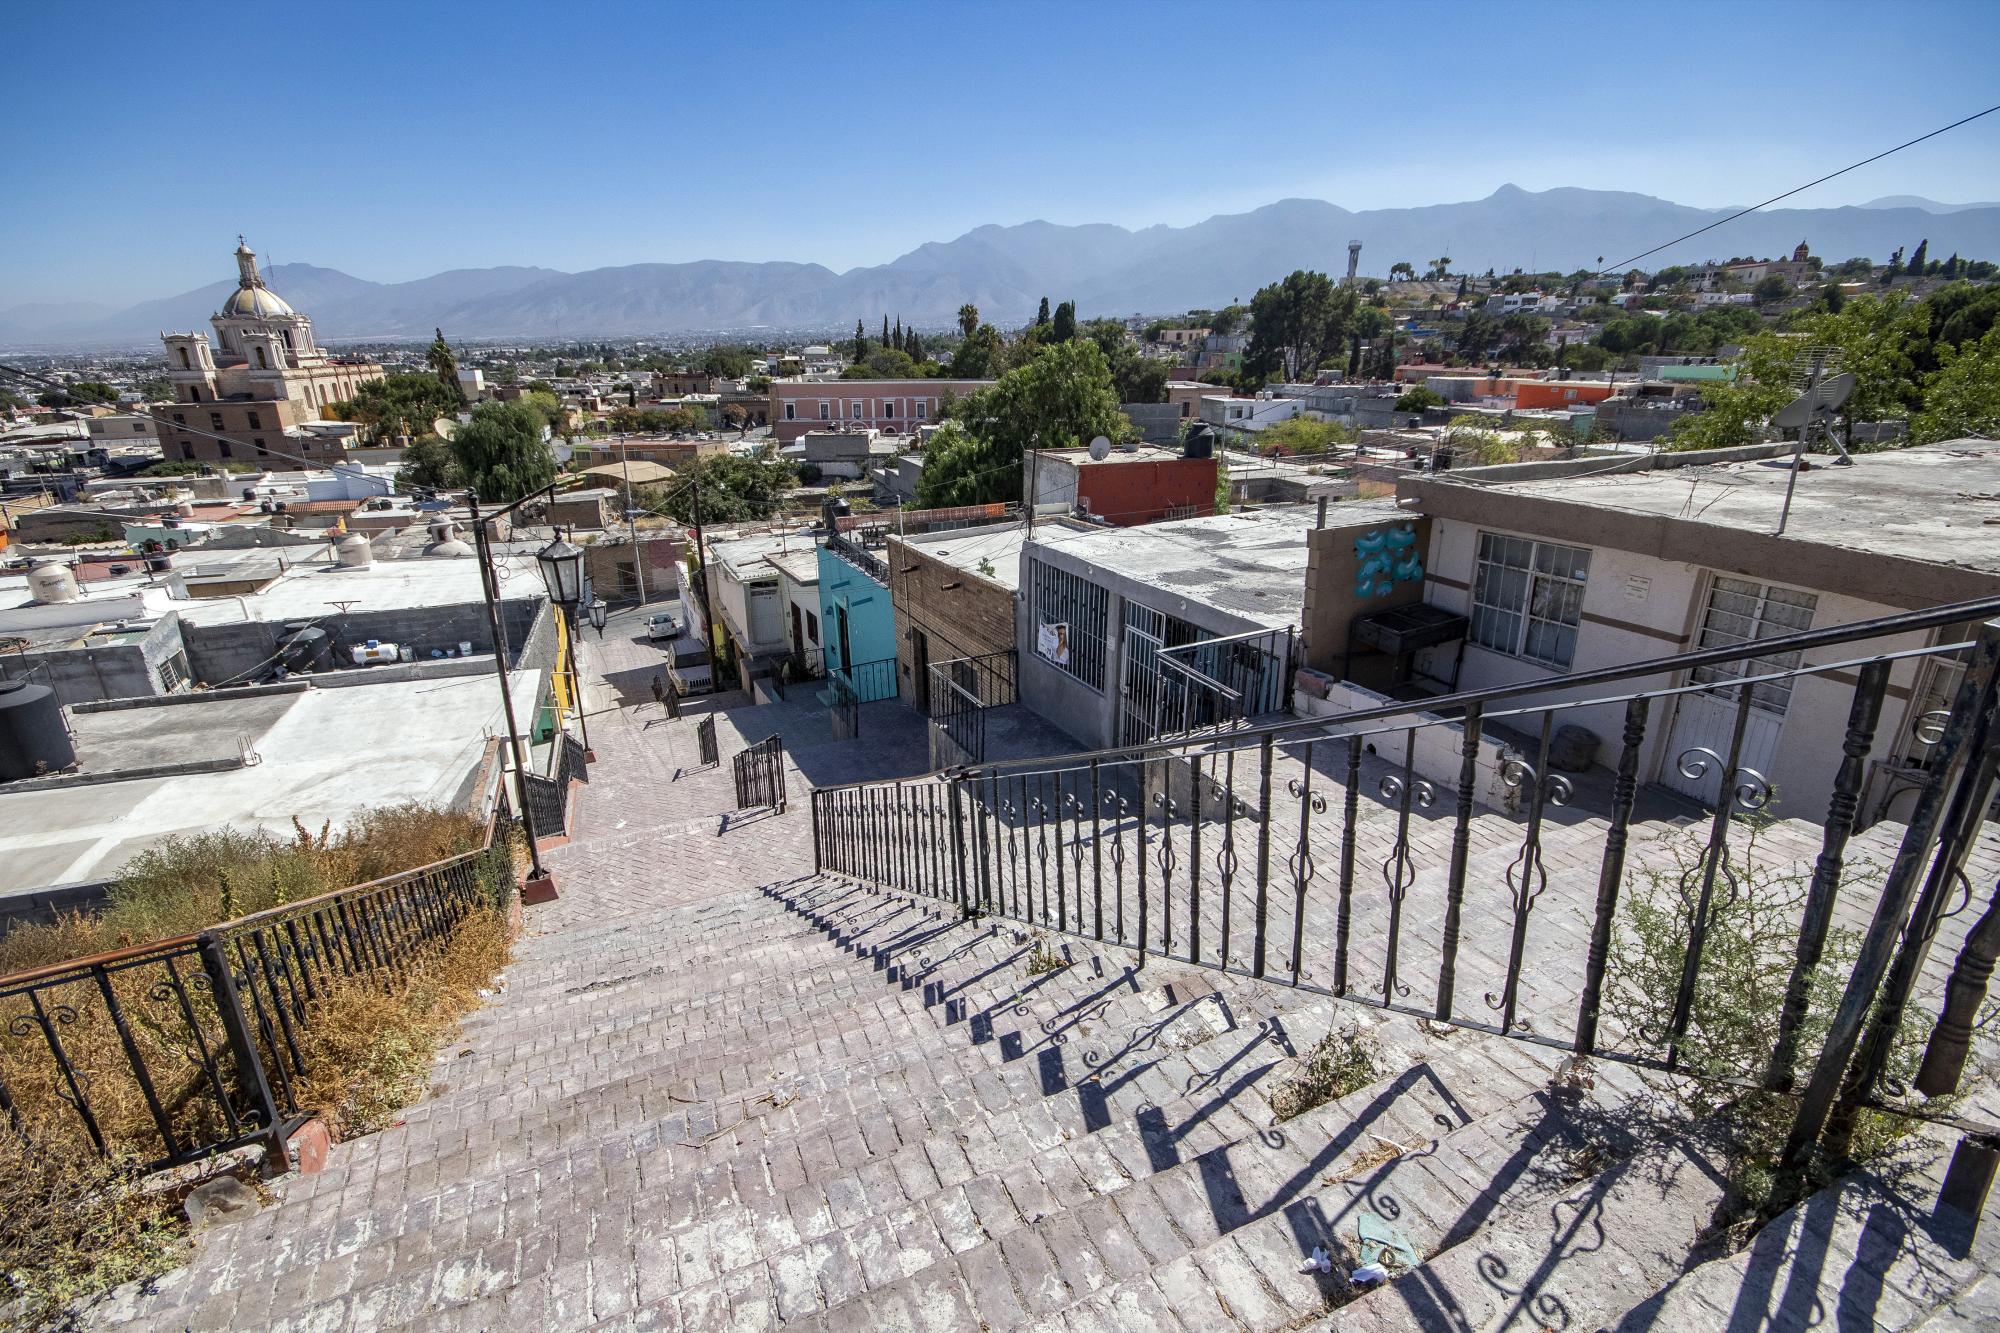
(1200, 442)
(33, 739)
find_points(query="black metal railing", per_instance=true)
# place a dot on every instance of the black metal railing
(549, 793)
(1309, 854)
(760, 776)
(961, 691)
(870, 682)
(860, 557)
(704, 737)
(170, 1052)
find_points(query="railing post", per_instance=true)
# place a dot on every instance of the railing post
(1461, 855)
(1951, 1040)
(1611, 874)
(819, 857)
(958, 846)
(1975, 696)
(1862, 716)
(242, 1046)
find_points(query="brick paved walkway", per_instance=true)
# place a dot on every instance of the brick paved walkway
(719, 1092)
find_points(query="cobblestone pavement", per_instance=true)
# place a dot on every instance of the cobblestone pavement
(720, 1092)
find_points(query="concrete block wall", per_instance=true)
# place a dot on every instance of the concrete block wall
(245, 649)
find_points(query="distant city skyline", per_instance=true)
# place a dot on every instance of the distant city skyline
(394, 142)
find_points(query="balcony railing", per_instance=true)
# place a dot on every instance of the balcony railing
(1306, 853)
(961, 692)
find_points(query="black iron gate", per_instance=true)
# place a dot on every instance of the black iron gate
(760, 776)
(704, 735)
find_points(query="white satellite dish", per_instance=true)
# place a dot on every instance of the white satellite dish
(1816, 405)
(1100, 448)
(444, 428)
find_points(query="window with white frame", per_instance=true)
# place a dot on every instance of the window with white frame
(854, 409)
(791, 411)
(923, 408)
(823, 410)
(1741, 611)
(889, 409)
(1527, 598)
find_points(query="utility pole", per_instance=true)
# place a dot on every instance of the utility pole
(539, 877)
(632, 519)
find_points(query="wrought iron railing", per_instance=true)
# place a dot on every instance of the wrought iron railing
(170, 1052)
(704, 735)
(1208, 685)
(860, 557)
(549, 794)
(1249, 850)
(961, 691)
(868, 682)
(760, 776)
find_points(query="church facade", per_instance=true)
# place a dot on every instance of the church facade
(257, 385)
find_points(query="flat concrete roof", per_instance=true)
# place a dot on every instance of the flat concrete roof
(1915, 526)
(1145, 453)
(964, 549)
(321, 755)
(307, 590)
(1250, 562)
(799, 566)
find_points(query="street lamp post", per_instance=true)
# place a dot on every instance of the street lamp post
(598, 610)
(562, 569)
(541, 885)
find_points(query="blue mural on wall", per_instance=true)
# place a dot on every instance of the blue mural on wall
(1388, 556)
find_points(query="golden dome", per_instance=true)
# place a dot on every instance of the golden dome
(258, 302)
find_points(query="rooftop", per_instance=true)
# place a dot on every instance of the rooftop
(998, 545)
(1145, 453)
(319, 755)
(1934, 505)
(800, 566)
(1251, 563)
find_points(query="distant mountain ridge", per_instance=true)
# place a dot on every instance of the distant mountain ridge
(1006, 270)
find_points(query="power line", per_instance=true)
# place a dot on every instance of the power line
(1627, 263)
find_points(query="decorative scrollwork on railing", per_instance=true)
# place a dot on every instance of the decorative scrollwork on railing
(1317, 800)
(1752, 790)
(1520, 775)
(1929, 727)
(1422, 793)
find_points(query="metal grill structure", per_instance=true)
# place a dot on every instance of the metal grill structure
(209, 1034)
(760, 776)
(704, 738)
(1247, 851)
(962, 690)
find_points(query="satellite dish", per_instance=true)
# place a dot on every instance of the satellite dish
(1816, 404)
(444, 428)
(1100, 448)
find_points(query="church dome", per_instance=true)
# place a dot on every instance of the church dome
(257, 302)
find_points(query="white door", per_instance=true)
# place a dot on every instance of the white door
(1737, 611)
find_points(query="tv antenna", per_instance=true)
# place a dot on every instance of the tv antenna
(1811, 414)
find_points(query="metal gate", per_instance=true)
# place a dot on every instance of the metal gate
(760, 776)
(704, 735)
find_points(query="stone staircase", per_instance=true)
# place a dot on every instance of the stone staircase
(718, 1094)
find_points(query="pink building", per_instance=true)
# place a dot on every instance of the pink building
(798, 406)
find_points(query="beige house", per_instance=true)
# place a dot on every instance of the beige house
(264, 376)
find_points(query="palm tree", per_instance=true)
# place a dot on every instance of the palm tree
(968, 319)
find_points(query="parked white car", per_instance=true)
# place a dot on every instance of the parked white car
(662, 627)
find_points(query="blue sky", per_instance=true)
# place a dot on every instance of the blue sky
(395, 140)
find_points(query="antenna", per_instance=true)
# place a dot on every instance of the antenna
(1812, 411)
(1100, 448)
(444, 428)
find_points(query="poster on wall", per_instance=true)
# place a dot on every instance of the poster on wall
(1052, 642)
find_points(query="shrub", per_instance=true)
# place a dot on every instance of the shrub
(1344, 1060)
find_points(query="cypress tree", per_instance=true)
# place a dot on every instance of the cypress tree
(885, 332)
(899, 344)
(1917, 258)
(1042, 315)
(860, 343)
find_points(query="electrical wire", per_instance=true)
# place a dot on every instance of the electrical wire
(1625, 264)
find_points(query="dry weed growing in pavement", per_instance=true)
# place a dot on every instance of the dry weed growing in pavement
(1344, 1060)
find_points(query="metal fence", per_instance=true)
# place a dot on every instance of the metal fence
(704, 738)
(549, 795)
(960, 693)
(173, 1051)
(1292, 853)
(760, 776)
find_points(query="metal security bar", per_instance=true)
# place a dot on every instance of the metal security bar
(704, 737)
(173, 1051)
(961, 692)
(760, 776)
(1321, 855)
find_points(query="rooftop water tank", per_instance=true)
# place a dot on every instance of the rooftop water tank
(33, 739)
(52, 582)
(354, 551)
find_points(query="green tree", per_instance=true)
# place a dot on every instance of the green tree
(981, 356)
(1402, 271)
(1963, 397)
(1064, 327)
(403, 404)
(1301, 435)
(444, 364)
(1227, 320)
(430, 462)
(1062, 398)
(1417, 399)
(1042, 315)
(1918, 258)
(724, 362)
(1296, 324)
(731, 489)
(968, 319)
(500, 451)
(1771, 288)
(860, 342)
(885, 332)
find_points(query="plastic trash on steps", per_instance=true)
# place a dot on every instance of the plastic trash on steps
(1384, 1251)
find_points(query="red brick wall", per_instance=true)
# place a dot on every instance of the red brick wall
(1128, 494)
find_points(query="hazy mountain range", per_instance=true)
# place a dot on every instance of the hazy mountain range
(1006, 270)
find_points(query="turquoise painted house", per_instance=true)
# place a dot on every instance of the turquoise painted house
(857, 620)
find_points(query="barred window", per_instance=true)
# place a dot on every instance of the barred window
(1740, 611)
(1081, 608)
(1527, 598)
